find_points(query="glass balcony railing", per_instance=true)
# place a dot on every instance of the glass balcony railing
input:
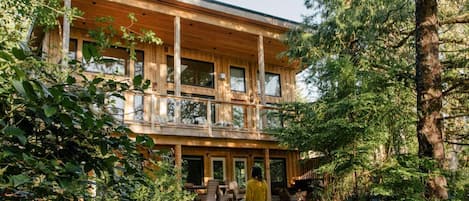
(161, 110)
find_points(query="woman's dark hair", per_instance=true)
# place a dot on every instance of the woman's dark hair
(256, 173)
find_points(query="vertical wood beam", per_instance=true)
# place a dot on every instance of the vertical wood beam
(65, 33)
(267, 173)
(260, 53)
(178, 159)
(177, 67)
(261, 63)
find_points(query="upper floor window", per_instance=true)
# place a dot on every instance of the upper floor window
(272, 85)
(237, 79)
(115, 60)
(193, 72)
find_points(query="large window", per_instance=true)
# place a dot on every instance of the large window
(192, 112)
(278, 173)
(272, 84)
(193, 72)
(193, 166)
(237, 79)
(114, 61)
(240, 171)
(218, 169)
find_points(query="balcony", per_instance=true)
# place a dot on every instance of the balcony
(152, 113)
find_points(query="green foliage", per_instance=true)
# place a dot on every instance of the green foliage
(360, 56)
(59, 140)
(58, 136)
(105, 35)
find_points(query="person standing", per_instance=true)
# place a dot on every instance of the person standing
(256, 186)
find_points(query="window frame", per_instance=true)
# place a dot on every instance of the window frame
(244, 79)
(279, 82)
(129, 65)
(223, 160)
(245, 161)
(212, 74)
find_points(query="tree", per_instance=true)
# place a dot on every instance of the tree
(362, 57)
(429, 90)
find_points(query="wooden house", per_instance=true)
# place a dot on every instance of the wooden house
(213, 81)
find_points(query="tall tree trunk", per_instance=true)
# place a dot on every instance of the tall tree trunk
(429, 91)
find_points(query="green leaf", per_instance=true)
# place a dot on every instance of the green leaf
(5, 56)
(71, 80)
(19, 53)
(137, 81)
(19, 87)
(3, 170)
(17, 132)
(28, 88)
(20, 179)
(145, 140)
(49, 110)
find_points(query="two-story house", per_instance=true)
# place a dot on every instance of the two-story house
(213, 82)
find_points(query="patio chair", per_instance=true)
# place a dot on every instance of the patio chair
(234, 188)
(212, 191)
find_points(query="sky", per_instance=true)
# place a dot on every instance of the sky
(288, 9)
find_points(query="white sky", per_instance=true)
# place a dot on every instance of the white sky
(288, 9)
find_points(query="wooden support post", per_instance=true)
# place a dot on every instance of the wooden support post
(267, 173)
(260, 54)
(178, 159)
(65, 33)
(177, 67)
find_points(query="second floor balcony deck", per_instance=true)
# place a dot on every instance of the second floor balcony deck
(152, 113)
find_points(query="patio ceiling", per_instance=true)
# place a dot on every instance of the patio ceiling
(195, 35)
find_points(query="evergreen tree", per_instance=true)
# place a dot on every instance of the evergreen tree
(362, 57)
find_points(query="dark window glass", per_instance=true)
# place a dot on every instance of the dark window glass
(237, 79)
(193, 166)
(218, 168)
(193, 72)
(277, 172)
(272, 84)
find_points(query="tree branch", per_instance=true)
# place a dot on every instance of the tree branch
(404, 40)
(460, 83)
(457, 143)
(462, 19)
(452, 40)
(454, 116)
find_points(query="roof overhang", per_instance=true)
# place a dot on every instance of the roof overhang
(242, 13)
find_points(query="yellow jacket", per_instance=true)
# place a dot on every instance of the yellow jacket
(256, 190)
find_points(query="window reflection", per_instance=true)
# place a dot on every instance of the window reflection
(272, 84)
(237, 79)
(192, 112)
(193, 72)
